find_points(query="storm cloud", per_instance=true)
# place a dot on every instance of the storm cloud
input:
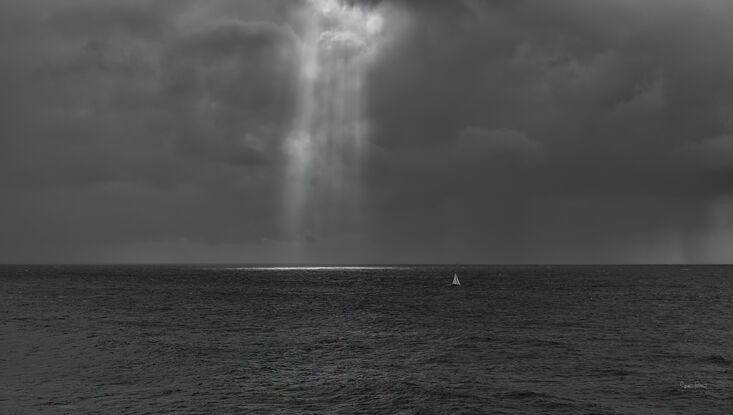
(500, 131)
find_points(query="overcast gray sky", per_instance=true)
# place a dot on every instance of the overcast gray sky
(502, 131)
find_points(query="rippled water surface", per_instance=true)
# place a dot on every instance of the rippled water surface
(566, 340)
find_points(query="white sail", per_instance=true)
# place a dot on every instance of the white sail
(455, 280)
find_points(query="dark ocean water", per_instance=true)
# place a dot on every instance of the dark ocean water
(515, 340)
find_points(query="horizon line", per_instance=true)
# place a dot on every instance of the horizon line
(355, 265)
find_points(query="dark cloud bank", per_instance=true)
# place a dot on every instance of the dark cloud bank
(502, 131)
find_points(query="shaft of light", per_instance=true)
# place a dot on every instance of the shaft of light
(327, 142)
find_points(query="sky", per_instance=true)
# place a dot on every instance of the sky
(499, 131)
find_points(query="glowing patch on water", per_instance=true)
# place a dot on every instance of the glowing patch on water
(310, 268)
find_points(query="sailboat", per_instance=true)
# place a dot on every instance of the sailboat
(455, 282)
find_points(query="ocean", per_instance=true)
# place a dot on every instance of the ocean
(379, 340)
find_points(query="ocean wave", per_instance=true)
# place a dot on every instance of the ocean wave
(717, 360)
(542, 400)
